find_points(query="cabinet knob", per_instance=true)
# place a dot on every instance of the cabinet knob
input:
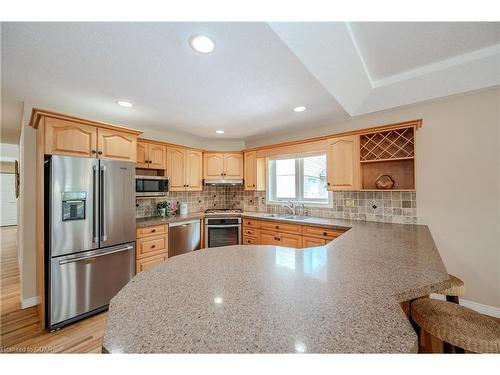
(99, 152)
(277, 227)
(325, 234)
(93, 151)
(328, 183)
(153, 246)
(154, 230)
(253, 185)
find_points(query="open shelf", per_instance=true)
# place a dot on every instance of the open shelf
(390, 152)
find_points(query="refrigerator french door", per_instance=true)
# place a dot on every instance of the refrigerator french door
(90, 235)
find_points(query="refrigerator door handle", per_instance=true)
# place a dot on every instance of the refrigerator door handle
(95, 256)
(104, 236)
(95, 228)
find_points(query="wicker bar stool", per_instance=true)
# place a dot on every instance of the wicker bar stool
(456, 326)
(456, 289)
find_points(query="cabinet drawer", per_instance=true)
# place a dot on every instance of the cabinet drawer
(268, 238)
(327, 233)
(247, 231)
(153, 230)
(151, 246)
(312, 241)
(144, 264)
(281, 227)
(290, 240)
(249, 240)
(250, 223)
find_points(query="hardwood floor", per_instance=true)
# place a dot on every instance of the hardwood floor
(20, 329)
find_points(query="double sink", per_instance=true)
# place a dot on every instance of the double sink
(288, 217)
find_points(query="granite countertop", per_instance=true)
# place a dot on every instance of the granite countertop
(339, 298)
(157, 220)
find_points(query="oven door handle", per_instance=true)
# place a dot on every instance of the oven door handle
(222, 226)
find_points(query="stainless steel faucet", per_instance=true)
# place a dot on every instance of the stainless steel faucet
(290, 206)
(305, 212)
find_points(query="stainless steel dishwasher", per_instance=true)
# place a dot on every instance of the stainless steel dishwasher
(183, 237)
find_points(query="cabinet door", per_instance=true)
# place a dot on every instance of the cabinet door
(175, 169)
(250, 170)
(312, 242)
(70, 138)
(113, 144)
(343, 163)
(233, 166)
(193, 172)
(260, 176)
(157, 156)
(268, 238)
(213, 166)
(144, 264)
(290, 240)
(142, 155)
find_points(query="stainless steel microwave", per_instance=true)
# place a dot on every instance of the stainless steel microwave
(148, 186)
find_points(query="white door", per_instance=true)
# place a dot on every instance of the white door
(8, 201)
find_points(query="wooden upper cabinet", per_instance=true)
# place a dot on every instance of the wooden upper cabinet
(193, 170)
(218, 166)
(70, 138)
(251, 170)
(157, 155)
(213, 166)
(142, 152)
(175, 168)
(343, 163)
(113, 144)
(233, 166)
(184, 169)
(151, 155)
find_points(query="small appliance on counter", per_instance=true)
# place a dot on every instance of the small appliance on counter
(183, 208)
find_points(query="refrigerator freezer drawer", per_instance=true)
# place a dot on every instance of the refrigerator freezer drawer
(87, 281)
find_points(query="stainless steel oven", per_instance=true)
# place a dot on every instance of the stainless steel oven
(148, 186)
(222, 231)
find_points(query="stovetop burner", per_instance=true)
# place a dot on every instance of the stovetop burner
(223, 211)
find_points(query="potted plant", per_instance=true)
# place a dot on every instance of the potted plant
(162, 208)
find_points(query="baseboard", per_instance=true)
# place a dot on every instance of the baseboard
(29, 302)
(479, 307)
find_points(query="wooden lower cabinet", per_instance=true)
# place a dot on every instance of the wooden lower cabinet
(144, 264)
(265, 232)
(313, 242)
(151, 246)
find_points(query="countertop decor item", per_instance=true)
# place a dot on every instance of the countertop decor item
(162, 208)
(384, 181)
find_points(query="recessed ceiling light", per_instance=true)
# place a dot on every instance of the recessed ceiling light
(124, 103)
(300, 108)
(219, 131)
(202, 43)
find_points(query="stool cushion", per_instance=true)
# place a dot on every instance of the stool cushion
(457, 325)
(457, 287)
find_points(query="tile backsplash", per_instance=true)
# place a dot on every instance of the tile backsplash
(381, 206)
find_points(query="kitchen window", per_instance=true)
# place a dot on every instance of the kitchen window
(298, 179)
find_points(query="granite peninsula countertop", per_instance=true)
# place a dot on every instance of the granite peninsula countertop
(339, 298)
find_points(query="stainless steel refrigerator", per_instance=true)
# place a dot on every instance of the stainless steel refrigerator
(89, 235)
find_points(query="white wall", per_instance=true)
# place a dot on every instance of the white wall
(458, 181)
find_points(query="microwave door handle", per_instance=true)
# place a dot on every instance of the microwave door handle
(222, 226)
(104, 236)
(95, 228)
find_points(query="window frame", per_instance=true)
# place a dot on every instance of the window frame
(299, 182)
